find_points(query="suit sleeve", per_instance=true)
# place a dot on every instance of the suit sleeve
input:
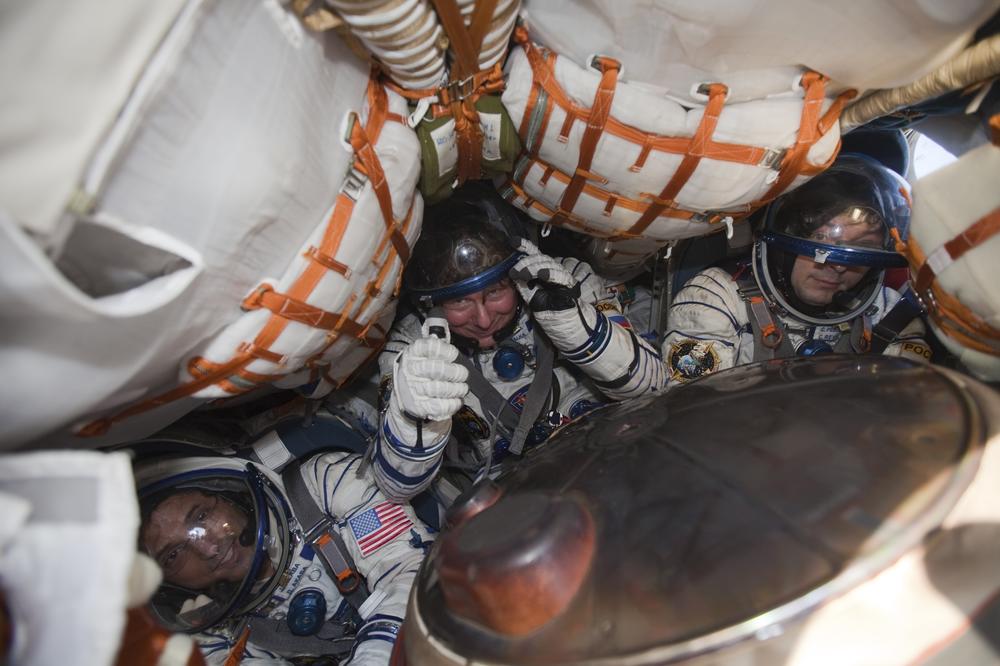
(707, 319)
(406, 458)
(216, 646)
(386, 540)
(598, 338)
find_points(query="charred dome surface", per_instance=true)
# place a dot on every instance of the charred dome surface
(727, 505)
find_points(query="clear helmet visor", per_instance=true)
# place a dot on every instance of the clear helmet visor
(221, 542)
(848, 234)
(853, 226)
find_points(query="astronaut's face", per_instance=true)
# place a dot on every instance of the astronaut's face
(815, 283)
(195, 538)
(481, 314)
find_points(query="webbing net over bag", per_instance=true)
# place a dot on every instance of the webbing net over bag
(332, 308)
(611, 159)
(952, 251)
(196, 181)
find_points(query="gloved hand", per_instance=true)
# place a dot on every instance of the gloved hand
(543, 282)
(426, 381)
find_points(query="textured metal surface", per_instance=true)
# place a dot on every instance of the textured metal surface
(734, 503)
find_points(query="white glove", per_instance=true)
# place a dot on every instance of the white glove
(426, 381)
(536, 270)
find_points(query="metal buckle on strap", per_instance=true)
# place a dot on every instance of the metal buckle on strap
(594, 63)
(252, 300)
(321, 538)
(771, 336)
(346, 129)
(313, 534)
(772, 158)
(354, 184)
(456, 91)
(702, 92)
(707, 217)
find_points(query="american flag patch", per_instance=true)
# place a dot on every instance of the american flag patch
(378, 526)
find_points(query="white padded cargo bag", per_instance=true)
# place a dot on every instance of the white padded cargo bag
(217, 157)
(954, 255)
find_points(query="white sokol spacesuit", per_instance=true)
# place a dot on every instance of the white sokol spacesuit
(816, 284)
(236, 558)
(561, 346)
(711, 330)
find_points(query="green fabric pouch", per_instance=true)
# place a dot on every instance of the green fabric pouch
(439, 148)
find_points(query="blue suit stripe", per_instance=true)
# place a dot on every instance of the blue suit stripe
(409, 452)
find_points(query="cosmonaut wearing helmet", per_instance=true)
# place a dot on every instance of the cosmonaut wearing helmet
(816, 283)
(525, 342)
(313, 563)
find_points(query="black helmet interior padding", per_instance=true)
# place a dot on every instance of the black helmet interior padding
(806, 209)
(456, 251)
(853, 181)
(888, 146)
(497, 212)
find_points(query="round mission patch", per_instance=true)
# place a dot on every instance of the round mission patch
(691, 359)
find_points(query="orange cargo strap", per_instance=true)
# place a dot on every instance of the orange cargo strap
(292, 309)
(466, 45)
(370, 165)
(812, 127)
(511, 189)
(950, 314)
(533, 124)
(373, 291)
(543, 71)
(235, 655)
(232, 375)
(487, 81)
(600, 111)
(981, 231)
(692, 156)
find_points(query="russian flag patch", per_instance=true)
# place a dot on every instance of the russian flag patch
(379, 525)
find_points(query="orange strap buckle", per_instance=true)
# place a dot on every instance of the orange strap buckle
(771, 336)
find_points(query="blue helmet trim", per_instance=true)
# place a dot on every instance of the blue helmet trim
(835, 254)
(255, 482)
(469, 285)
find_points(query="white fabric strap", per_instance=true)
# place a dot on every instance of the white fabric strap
(939, 260)
(272, 451)
(371, 603)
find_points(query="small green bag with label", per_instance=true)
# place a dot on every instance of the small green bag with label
(439, 148)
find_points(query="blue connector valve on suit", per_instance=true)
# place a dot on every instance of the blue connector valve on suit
(814, 348)
(508, 363)
(307, 612)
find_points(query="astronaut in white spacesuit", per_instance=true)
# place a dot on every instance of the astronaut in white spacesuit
(316, 563)
(525, 343)
(816, 283)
